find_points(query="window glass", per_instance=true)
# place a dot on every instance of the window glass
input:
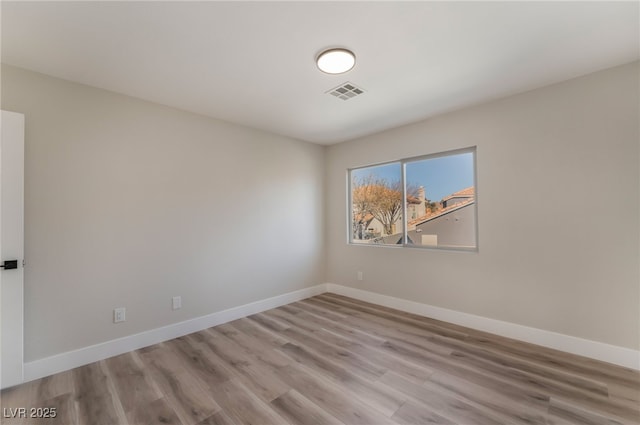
(433, 206)
(441, 210)
(376, 195)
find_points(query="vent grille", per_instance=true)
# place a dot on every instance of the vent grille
(346, 91)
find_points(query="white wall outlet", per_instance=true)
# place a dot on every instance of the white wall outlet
(119, 315)
(360, 276)
(176, 303)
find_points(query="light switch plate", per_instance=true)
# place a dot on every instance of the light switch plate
(119, 315)
(176, 303)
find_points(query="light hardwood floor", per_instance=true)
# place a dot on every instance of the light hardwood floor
(334, 360)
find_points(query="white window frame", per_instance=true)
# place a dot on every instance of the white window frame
(403, 162)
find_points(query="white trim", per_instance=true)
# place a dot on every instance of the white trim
(65, 361)
(621, 356)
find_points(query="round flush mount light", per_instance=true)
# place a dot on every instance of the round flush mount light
(336, 61)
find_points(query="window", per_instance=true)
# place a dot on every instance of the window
(428, 201)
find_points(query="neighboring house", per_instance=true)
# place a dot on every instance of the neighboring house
(450, 224)
(459, 197)
(364, 228)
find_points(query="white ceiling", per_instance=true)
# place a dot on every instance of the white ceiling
(252, 63)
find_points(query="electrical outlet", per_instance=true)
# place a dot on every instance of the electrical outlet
(176, 303)
(119, 315)
(360, 276)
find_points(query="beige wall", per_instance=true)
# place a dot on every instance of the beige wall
(128, 203)
(558, 191)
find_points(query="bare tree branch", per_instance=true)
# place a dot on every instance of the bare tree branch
(376, 197)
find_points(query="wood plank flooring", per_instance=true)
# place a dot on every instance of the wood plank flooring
(334, 360)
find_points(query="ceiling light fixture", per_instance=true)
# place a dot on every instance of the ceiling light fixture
(336, 61)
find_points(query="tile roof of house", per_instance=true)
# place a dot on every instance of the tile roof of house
(464, 193)
(435, 214)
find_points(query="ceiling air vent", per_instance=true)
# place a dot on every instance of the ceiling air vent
(346, 91)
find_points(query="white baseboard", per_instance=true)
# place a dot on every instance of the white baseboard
(621, 356)
(65, 361)
(72, 359)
